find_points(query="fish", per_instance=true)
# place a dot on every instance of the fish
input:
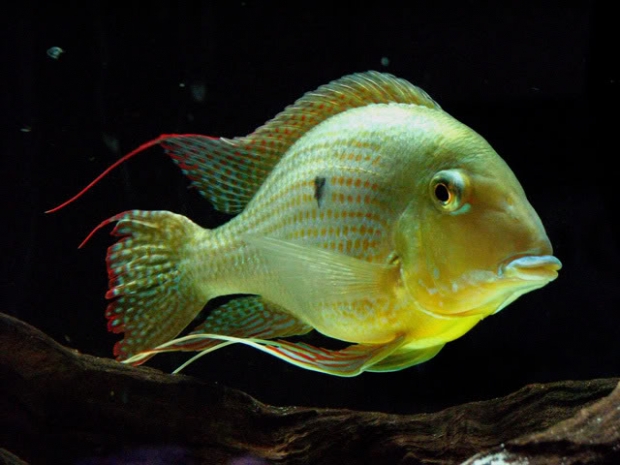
(363, 211)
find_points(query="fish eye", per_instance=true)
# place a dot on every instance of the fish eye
(448, 190)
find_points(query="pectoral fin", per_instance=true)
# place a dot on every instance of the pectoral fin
(302, 274)
(400, 360)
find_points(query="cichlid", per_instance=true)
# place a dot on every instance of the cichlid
(365, 212)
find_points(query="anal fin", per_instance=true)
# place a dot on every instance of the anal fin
(253, 322)
(243, 318)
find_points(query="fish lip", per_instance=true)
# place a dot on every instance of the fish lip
(530, 268)
(530, 271)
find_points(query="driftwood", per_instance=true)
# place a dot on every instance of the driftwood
(59, 406)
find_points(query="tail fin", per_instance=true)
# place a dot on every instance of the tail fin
(154, 295)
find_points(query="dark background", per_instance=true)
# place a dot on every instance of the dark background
(537, 79)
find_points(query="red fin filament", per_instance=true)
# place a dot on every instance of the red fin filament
(138, 150)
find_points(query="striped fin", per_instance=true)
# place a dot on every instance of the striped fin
(227, 172)
(230, 171)
(152, 296)
(246, 317)
(347, 362)
(352, 91)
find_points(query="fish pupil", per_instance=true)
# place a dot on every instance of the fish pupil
(442, 193)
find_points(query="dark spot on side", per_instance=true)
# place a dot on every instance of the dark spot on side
(319, 187)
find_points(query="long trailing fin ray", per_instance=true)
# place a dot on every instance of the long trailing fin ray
(114, 165)
(347, 362)
(245, 317)
(153, 296)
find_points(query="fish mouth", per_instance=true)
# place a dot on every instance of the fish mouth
(531, 268)
(519, 274)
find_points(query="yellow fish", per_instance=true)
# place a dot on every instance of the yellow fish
(365, 212)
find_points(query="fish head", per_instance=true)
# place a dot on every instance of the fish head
(470, 242)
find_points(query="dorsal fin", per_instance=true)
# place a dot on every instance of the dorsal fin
(230, 171)
(355, 90)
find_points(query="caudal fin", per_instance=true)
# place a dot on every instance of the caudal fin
(154, 297)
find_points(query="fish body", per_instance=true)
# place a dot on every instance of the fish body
(364, 211)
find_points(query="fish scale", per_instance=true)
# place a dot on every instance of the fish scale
(354, 221)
